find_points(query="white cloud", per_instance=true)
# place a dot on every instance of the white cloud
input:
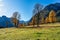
(1, 0)
(1, 5)
(2, 11)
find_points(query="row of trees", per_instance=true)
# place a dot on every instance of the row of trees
(37, 16)
(43, 16)
(16, 16)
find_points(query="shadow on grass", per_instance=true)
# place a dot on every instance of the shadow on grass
(38, 34)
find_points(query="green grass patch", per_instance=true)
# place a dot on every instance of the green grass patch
(30, 33)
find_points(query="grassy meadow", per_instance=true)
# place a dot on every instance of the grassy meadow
(30, 33)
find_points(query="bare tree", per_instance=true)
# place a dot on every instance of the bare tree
(16, 18)
(36, 13)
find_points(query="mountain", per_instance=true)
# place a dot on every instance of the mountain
(47, 9)
(54, 7)
(22, 21)
(5, 22)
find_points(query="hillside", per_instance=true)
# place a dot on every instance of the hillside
(45, 12)
(5, 21)
(30, 34)
(55, 7)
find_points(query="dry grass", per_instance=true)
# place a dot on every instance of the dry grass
(30, 33)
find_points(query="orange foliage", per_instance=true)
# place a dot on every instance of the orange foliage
(15, 21)
(47, 20)
(30, 23)
(33, 21)
(52, 17)
(20, 25)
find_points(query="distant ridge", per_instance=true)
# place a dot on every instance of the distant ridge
(48, 8)
(4, 20)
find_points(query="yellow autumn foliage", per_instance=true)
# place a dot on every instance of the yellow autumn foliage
(47, 20)
(52, 16)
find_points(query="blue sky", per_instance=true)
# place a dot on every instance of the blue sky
(24, 7)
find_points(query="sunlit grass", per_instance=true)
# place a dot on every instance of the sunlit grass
(30, 34)
(51, 24)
